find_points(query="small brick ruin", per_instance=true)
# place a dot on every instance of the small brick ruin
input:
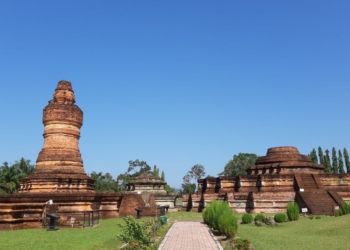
(283, 175)
(148, 185)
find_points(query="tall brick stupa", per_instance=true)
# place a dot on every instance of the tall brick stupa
(59, 166)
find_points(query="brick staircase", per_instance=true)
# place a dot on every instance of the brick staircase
(318, 200)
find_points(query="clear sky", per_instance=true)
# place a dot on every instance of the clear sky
(177, 83)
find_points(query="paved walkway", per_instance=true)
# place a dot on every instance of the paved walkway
(189, 235)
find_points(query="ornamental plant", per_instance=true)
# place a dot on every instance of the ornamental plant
(279, 218)
(259, 217)
(345, 208)
(227, 221)
(137, 235)
(293, 211)
(219, 216)
(247, 218)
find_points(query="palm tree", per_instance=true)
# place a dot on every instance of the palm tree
(24, 167)
(9, 178)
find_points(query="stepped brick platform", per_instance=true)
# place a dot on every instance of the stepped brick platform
(283, 175)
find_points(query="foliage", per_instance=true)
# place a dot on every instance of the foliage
(279, 218)
(337, 213)
(155, 171)
(162, 176)
(347, 161)
(105, 182)
(219, 216)
(247, 218)
(138, 235)
(227, 221)
(259, 217)
(337, 165)
(334, 161)
(168, 189)
(320, 155)
(142, 165)
(242, 244)
(293, 211)
(318, 217)
(313, 156)
(11, 175)
(239, 164)
(345, 208)
(211, 214)
(196, 172)
(341, 162)
(327, 163)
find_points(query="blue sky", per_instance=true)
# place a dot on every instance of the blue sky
(177, 83)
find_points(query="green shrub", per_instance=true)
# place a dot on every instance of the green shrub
(227, 221)
(259, 217)
(311, 217)
(219, 216)
(247, 218)
(242, 244)
(337, 213)
(345, 208)
(293, 211)
(280, 218)
(213, 212)
(136, 235)
(210, 214)
(318, 217)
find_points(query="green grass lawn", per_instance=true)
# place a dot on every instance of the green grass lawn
(326, 233)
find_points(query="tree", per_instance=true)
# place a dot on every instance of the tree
(341, 163)
(334, 161)
(133, 165)
(163, 176)
(239, 164)
(347, 161)
(327, 163)
(156, 171)
(10, 175)
(196, 172)
(105, 182)
(320, 155)
(24, 167)
(9, 178)
(313, 156)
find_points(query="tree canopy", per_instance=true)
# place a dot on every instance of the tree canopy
(105, 183)
(190, 179)
(11, 174)
(239, 164)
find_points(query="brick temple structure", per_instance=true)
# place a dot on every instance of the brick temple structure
(147, 185)
(59, 175)
(283, 175)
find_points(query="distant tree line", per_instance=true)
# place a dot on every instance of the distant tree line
(339, 164)
(10, 175)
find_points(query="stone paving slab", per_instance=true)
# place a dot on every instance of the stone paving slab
(189, 235)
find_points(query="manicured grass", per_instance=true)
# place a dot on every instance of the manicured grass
(185, 216)
(101, 237)
(326, 233)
